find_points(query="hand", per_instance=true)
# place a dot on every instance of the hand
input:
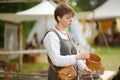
(88, 70)
(83, 56)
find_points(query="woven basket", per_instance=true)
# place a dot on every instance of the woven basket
(94, 63)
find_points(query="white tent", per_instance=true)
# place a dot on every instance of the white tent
(40, 27)
(79, 36)
(43, 14)
(45, 21)
(45, 8)
(110, 9)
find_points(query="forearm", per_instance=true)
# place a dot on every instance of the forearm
(81, 65)
(64, 60)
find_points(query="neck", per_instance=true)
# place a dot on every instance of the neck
(60, 27)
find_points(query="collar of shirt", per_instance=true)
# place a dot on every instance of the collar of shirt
(63, 34)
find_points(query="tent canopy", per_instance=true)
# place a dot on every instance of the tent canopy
(43, 14)
(34, 13)
(44, 8)
(110, 9)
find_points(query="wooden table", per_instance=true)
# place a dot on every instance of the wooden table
(107, 75)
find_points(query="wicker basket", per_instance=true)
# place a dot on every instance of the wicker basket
(94, 63)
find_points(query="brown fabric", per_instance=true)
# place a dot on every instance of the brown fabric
(67, 73)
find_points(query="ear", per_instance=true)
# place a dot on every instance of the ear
(59, 19)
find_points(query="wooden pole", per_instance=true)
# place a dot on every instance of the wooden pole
(20, 35)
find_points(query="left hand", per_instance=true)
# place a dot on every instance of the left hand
(88, 70)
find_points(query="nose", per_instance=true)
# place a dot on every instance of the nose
(70, 19)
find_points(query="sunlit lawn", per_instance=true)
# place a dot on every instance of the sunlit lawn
(110, 56)
(35, 67)
(110, 59)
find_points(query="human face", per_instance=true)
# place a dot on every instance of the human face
(66, 20)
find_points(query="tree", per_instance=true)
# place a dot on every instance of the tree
(1, 34)
(88, 5)
(12, 8)
(15, 7)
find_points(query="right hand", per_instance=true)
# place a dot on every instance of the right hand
(83, 56)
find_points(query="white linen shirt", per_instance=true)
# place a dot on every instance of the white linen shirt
(52, 46)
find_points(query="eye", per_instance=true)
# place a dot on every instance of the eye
(67, 17)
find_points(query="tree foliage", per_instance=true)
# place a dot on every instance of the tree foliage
(88, 5)
(15, 7)
(12, 8)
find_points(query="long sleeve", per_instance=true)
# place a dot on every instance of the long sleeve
(81, 65)
(52, 45)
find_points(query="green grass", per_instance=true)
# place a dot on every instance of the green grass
(34, 67)
(110, 56)
(110, 59)
(31, 67)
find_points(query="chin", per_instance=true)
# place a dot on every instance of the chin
(69, 24)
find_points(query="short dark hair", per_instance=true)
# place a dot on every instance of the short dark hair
(63, 9)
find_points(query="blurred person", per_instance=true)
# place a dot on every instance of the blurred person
(59, 45)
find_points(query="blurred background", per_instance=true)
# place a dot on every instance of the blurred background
(23, 23)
